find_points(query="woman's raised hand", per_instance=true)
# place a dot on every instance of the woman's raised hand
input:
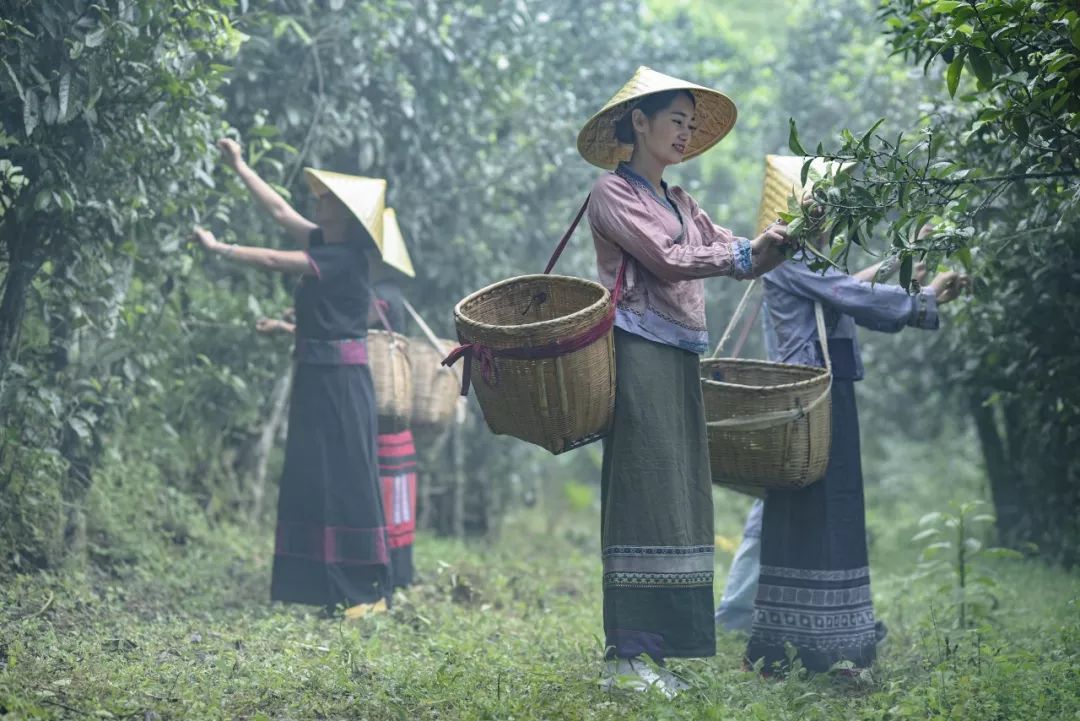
(231, 152)
(948, 285)
(774, 238)
(268, 325)
(205, 238)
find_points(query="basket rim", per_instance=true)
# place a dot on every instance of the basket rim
(822, 374)
(605, 298)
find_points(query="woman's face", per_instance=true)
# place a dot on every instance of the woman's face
(332, 216)
(666, 136)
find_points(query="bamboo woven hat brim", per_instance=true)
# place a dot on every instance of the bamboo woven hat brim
(394, 252)
(782, 176)
(364, 197)
(714, 117)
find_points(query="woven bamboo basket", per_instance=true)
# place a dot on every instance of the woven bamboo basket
(435, 387)
(769, 424)
(391, 372)
(560, 402)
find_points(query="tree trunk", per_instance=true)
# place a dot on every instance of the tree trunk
(458, 451)
(20, 273)
(1004, 480)
(279, 406)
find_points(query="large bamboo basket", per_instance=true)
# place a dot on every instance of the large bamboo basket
(559, 403)
(391, 371)
(435, 388)
(769, 424)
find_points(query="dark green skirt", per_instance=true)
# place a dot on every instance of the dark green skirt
(656, 507)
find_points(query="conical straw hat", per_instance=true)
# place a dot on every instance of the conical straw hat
(782, 176)
(364, 197)
(714, 117)
(394, 252)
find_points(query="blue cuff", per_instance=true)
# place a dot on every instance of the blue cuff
(926, 311)
(744, 263)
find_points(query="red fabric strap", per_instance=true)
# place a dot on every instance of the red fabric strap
(380, 308)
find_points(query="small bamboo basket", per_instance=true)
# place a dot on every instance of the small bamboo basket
(557, 400)
(391, 372)
(435, 388)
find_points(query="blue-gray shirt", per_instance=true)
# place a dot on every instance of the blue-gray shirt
(791, 331)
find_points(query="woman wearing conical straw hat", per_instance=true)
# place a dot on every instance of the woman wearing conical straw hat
(656, 507)
(813, 589)
(331, 548)
(396, 446)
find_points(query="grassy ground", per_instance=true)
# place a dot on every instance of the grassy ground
(506, 629)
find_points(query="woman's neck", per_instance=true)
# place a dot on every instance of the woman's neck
(650, 168)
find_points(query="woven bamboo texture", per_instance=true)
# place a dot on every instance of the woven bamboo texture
(435, 387)
(391, 372)
(557, 403)
(769, 424)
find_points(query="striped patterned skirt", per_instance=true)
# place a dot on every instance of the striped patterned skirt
(656, 507)
(397, 474)
(814, 589)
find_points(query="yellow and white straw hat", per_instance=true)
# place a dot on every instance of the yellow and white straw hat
(394, 252)
(714, 117)
(364, 197)
(782, 181)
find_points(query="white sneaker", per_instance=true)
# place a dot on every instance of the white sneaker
(635, 675)
(672, 682)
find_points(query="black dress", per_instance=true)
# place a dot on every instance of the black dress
(331, 544)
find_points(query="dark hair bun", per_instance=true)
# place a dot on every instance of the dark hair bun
(624, 129)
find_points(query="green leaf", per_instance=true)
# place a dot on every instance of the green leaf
(14, 80)
(793, 139)
(43, 200)
(1021, 127)
(952, 78)
(964, 256)
(930, 518)
(51, 111)
(865, 141)
(63, 94)
(1003, 553)
(31, 112)
(946, 6)
(95, 38)
(820, 256)
(924, 534)
(980, 65)
(81, 428)
(906, 266)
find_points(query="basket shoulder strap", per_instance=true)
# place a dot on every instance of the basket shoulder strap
(378, 303)
(620, 280)
(739, 310)
(428, 333)
(566, 236)
(823, 338)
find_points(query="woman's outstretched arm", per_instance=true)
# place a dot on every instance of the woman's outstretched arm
(294, 262)
(298, 227)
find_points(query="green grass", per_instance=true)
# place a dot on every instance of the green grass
(506, 629)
